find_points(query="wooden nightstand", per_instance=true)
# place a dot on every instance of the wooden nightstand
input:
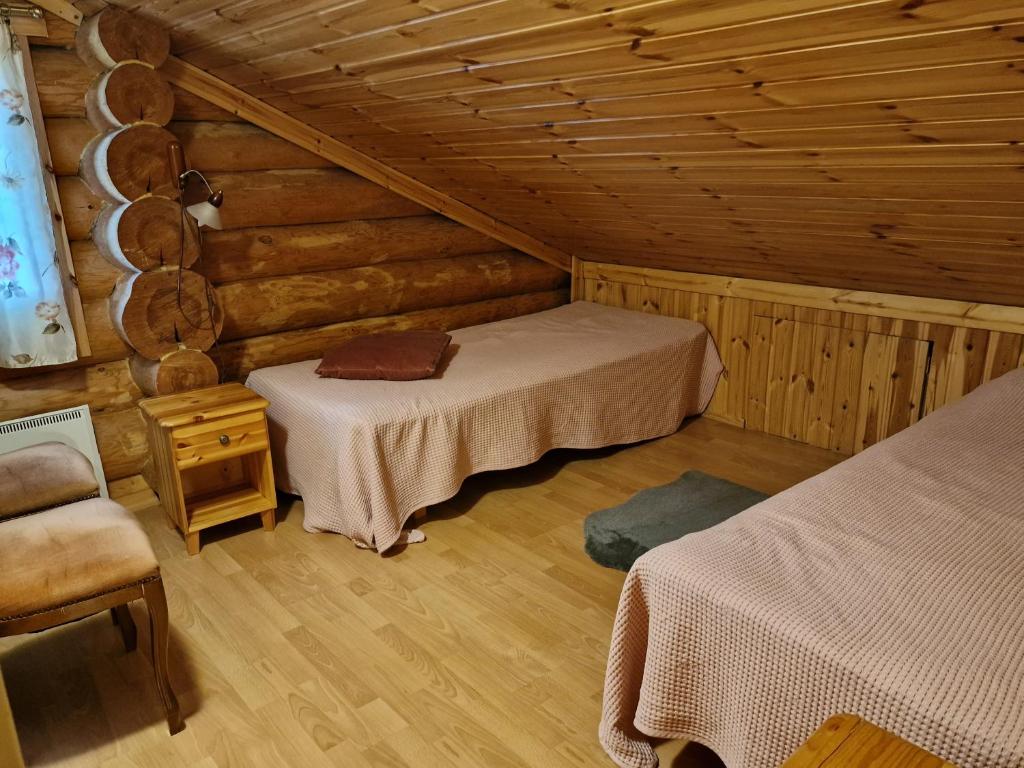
(212, 457)
(848, 741)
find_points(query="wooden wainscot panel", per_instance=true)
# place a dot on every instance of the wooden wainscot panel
(729, 323)
(892, 387)
(995, 317)
(825, 367)
(846, 399)
(802, 370)
(756, 413)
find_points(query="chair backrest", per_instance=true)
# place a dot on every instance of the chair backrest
(43, 476)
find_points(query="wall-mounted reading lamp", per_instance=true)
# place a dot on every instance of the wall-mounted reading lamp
(202, 204)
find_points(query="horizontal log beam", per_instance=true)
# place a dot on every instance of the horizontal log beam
(106, 344)
(95, 275)
(269, 251)
(275, 304)
(122, 442)
(62, 81)
(102, 387)
(209, 146)
(133, 492)
(275, 198)
(266, 198)
(79, 205)
(238, 358)
(67, 137)
(212, 146)
(272, 251)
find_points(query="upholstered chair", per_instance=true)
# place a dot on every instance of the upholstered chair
(66, 554)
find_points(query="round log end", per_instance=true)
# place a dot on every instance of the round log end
(129, 93)
(146, 234)
(123, 165)
(113, 35)
(154, 320)
(177, 371)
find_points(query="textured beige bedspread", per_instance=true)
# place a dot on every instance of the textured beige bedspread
(891, 586)
(364, 455)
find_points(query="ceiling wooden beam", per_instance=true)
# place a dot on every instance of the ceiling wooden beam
(236, 101)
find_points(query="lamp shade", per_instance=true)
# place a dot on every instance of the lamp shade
(207, 214)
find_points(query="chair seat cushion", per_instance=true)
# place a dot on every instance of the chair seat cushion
(65, 555)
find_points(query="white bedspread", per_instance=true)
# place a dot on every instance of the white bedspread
(365, 455)
(890, 586)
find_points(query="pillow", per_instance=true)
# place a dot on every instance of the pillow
(399, 356)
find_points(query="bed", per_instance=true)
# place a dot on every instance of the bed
(365, 455)
(890, 586)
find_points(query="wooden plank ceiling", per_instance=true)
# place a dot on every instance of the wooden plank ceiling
(867, 144)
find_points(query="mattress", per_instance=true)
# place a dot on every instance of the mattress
(890, 586)
(365, 455)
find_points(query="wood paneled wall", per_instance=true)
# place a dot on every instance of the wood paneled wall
(872, 144)
(311, 255)
(837, 379)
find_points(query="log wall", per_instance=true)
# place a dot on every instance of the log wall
(310, 255)
(841, 378)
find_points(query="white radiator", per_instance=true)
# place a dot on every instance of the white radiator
(72, 426)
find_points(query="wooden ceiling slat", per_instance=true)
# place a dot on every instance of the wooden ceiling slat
(678, 37)
(253, 29)
(913, 154)
(936, 48)
(944, 48)
(979, 106)
(664, 182)
(869, 143)
(950, 132)
(955, 80)
(539, 31)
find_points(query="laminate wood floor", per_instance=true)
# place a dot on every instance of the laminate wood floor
(485, 646)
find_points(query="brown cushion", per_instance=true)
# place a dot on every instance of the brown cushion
(43, 476)
(67, 554)
(399, 356)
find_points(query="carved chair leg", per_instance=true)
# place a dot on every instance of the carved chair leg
(123, 619)
(159, 632)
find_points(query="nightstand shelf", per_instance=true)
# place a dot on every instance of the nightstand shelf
(212, 456)
(223, 506)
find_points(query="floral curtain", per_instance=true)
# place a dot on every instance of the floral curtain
(34, 325)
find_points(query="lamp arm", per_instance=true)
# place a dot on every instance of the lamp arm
(183, 178)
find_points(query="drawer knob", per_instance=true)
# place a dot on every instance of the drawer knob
(224, 439)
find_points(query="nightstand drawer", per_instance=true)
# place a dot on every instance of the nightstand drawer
(220, 439)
